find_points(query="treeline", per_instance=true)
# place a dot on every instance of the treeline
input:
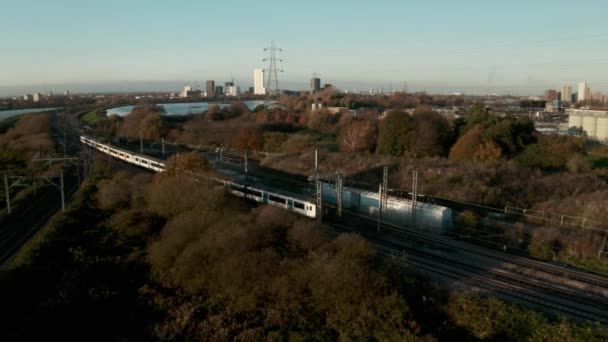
(170, 258)
(22, 138)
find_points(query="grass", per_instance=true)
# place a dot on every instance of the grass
(593, 265)
(92, 117)
(323, 140)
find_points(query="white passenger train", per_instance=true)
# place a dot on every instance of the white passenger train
(256, 194)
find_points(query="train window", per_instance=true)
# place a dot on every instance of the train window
(298, 205)
(276, 199)
(253, 192)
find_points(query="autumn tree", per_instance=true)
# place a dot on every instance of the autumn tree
(144, 123)
(466, 147)
(248, 139)
(357, 136)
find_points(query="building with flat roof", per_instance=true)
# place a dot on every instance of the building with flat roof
(258, 82)
(210, 87)
(566, 93)
(315, 85)
(550, 95)
(591, 123)
(582, 91)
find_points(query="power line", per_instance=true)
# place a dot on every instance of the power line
(272, 84)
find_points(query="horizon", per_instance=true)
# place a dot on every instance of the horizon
(68, 44)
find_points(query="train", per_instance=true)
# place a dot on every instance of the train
(300, 206)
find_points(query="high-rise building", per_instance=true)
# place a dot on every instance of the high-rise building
(550, 95)
(210, 88)
(566, 93)
(219, 91)
(37, 97)
(28, 97)
(315, 85)
(597, 96)
(258, 82)
(583, 88)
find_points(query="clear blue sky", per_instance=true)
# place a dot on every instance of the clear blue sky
(512, 46)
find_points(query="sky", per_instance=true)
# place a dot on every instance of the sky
(471, 46)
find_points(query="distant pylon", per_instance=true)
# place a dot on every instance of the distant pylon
(272, 83)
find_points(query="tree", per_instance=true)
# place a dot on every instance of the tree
(144, 123)
(466, 147)
(357, 136)
(396, 134)
(433, 134)
(248, 139)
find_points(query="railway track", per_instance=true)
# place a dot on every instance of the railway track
(549, 295)
(558, 270)
(520, 288)
(19, 227)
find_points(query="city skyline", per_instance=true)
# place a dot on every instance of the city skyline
(92, 48)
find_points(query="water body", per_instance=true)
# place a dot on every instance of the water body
(8, 113)
(183, 108)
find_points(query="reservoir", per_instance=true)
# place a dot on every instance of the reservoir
(183, 108)
(8, 113)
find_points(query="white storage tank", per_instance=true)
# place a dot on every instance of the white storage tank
(575, 121)
(590, 125)
(602, 129)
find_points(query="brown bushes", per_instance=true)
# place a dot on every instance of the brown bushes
(31, 134)
(270, 264)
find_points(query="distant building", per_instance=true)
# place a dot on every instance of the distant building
(210, 88)
(258, 82)
(232, 90)
(583, 90)
(186, 90)
(592, 123)
(574, 97)
(327, 86)
(550, 95)
(37, 97)
(566, 93)
(315, 85)
(597, 96)
(66, 93)
(193, 94)
(28, 97)
(219, 91)
(251, 90)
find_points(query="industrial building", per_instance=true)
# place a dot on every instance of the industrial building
(594, 123)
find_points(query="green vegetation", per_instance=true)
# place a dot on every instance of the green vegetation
(92, 117)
